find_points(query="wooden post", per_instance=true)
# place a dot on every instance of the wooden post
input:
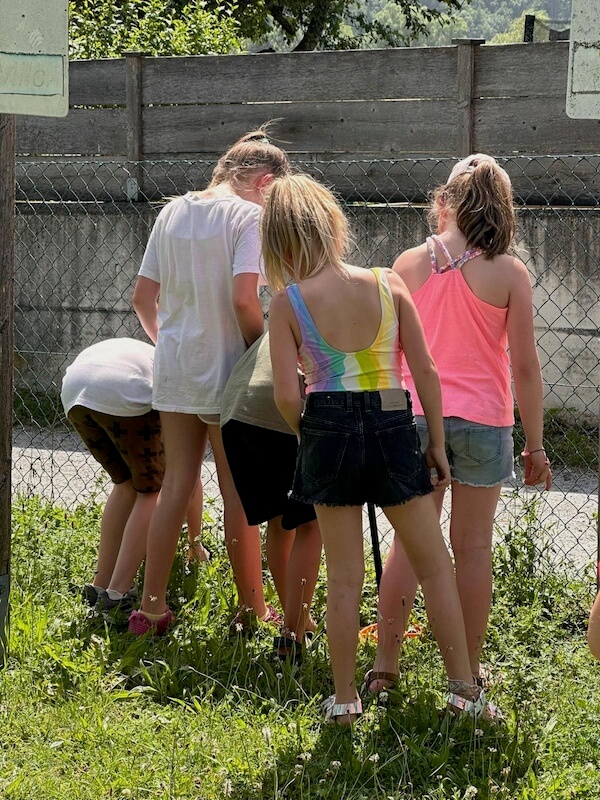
(133, 85)
(7, 238)
(465, 82)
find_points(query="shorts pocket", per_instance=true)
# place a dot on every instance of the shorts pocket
(320, 455)
(483, 443)
(401, 451)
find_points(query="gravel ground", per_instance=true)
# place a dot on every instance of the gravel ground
(54, 464)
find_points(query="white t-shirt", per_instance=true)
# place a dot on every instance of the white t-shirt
(195, 249)
(113, 377)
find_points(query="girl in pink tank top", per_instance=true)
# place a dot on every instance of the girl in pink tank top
(474, 299)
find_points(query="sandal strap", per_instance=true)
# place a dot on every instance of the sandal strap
(377, 675)
(333, 710)
(466, 706)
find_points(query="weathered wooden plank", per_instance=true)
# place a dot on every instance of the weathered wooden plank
(273, 77)
(395, 127)
(538, 180)
(531, 125)
(97, 83)
(99, 131)
(522, 70)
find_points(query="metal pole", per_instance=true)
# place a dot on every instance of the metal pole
(7, 235)
(375, 542)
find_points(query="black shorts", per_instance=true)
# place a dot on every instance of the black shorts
(353, 451)
(262, 463)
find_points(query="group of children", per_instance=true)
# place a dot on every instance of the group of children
(404, 389)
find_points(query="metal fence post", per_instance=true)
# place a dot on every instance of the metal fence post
(7, 238)
(465, 84)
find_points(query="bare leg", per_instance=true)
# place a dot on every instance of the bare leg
(302, 574)
(416, 523)
(341, 529)
(133, 546)
(196, 550)
(278, 548)
(471, 528)
(114, 519)
(242, 540)
(184, 439)
(593, 634)
(397, 592)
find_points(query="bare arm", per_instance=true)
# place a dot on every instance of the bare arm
(527, 375)
(247, 306)
(145, 303)
(284, 360)
(593, 633)
(425, 375)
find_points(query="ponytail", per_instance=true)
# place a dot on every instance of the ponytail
(480, 196)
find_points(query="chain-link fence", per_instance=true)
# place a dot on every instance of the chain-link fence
(79, 243)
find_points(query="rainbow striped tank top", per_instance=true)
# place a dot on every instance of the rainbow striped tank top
(372, 369)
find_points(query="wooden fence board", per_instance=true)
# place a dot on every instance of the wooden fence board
(97, 83)
(532, 125)
(397, 127)
(536, 180)
(536, 69)
(99, 131)
(274, 77)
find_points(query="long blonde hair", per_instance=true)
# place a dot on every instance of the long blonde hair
(479, 194)
(303, 228)
(251, 154)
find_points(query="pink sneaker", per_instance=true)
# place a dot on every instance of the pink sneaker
(139, 624)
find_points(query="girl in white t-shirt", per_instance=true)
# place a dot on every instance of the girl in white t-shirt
(197, 299)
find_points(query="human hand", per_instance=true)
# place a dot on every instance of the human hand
(537, 468)
(438, 460)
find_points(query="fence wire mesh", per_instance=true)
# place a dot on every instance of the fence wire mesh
(81, 230)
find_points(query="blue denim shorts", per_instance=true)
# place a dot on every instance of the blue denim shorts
(353, 452)
(479, 455)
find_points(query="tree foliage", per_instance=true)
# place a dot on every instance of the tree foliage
(107, 28)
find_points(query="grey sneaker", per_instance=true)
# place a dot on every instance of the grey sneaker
(115, 613)
(89, 594)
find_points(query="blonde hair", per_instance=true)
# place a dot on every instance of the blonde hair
(479, 194)
(303, 229)
(251, 154)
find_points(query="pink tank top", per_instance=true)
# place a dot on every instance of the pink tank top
(467, 338)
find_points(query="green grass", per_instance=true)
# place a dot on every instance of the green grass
(87, 713)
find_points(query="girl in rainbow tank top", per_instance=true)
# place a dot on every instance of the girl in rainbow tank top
(473, 305)
(357, 438)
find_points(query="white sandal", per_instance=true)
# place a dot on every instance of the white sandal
(333, 711)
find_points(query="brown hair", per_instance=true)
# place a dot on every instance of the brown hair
(251, 154)
(480, 198)
(303, 228)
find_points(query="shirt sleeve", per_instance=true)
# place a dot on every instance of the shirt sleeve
(149, 266)
(246, 253)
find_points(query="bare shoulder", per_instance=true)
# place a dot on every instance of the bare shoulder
(516, 271)
(280, 303)
(411, 258)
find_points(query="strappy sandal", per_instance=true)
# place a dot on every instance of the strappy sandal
(336, 711)
(285, 648)
(373, 675)
(479, 707)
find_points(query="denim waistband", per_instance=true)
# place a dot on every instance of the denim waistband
(351, 400)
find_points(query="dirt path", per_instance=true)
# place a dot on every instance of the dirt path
(54, 464)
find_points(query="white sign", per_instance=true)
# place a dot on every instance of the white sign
(34, 63)
(583, 87)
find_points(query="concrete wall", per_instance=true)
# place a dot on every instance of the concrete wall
(76, 265)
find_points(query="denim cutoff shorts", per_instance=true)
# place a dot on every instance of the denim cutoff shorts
(353, 452)
(479, 455)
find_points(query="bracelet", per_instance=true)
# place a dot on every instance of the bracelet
(526, 453)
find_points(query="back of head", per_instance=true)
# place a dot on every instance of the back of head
(251, 155)
(303, 229)
(478, 194)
